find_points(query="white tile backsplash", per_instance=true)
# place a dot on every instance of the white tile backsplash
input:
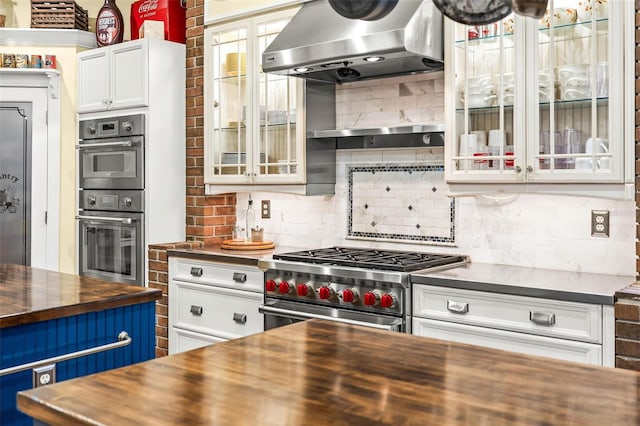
(544, 231)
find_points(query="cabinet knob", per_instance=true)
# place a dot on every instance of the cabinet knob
(457, 307)
(542, 318)
(196, 310)
(216, 104)
(240, 318)
(196, 272)
(529, 169)
(518, 169)
(239, 277)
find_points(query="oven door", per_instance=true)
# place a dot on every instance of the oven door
(280, 312)
(112, 246)
(116, 163)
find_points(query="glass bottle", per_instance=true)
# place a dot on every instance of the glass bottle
(250, 219)
(109, 24)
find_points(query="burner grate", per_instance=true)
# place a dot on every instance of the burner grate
(389, 260)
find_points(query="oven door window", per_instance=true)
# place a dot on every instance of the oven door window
(111, 251)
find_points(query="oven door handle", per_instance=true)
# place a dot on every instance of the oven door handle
(127, 144)
(123, 220)
(264, 309)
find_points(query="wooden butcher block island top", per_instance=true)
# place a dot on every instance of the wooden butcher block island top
(29, 295)
(325, 373)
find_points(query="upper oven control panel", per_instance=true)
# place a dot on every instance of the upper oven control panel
(111, 199)
(111, 127)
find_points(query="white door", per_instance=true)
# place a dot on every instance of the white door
(44, 236)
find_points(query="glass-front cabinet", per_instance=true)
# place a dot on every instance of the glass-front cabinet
(533, 101)
(254, 123)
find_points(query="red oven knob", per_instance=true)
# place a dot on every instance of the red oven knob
(349, 296)
(270, 285)
(303, 289)
(370, 298)
(284, 287)
(387, 301)
(325, 292)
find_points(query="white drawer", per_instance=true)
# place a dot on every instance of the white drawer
(550, 347)
(241, 277)
(568, 320)
(217, 311)
(184, 340)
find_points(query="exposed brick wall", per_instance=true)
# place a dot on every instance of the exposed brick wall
(210, 219)
(628, 329)
(159, 278)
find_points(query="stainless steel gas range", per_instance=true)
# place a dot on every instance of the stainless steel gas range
(361, 286)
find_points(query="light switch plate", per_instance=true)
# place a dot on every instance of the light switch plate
(600, 223)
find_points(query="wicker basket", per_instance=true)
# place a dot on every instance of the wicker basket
(58, 14)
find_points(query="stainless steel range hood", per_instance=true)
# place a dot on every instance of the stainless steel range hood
(408, 136)
(320, 44)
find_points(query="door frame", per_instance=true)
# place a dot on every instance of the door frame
(41, 89)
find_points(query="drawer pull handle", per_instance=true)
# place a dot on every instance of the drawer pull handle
(239, 277)
(196, 310)
(542, 319)
(240, 318)
(196, 272)
(457, 307)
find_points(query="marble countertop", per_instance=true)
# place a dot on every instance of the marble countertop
(29, 295)
(534, 282)
(523, 281)
(325, 373)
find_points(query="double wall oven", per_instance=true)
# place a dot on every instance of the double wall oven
(111, 198)
(359, 286)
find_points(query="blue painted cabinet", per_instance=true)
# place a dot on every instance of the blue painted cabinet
(41, 340)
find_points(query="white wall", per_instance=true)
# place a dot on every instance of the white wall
(544, 231)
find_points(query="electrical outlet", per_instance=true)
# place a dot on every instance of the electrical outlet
(600, 223)
(43, 376)
(265, 208)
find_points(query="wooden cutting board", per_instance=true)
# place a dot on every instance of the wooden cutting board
(247, 245)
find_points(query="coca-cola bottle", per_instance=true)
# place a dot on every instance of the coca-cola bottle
(109, 24)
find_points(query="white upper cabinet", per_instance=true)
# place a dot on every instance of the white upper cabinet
(114, 77)
(541, 101)
(254, 122)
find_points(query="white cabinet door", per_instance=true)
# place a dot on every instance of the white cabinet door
(129, 75)
(185, 340)
(567, 350)
(114, 77)
(254, 122)
(93, 80)
(533, 103)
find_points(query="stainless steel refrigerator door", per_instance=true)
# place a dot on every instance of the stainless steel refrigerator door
(15, 182)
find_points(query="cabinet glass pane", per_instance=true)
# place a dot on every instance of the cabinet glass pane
(278, 109)
(229, 84)
(573, 89)
(486, 97)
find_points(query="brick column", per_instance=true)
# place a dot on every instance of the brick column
(628, 328)
(210, 219)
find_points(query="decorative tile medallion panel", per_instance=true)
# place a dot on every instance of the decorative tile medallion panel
(400, 203)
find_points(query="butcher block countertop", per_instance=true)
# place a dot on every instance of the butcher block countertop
(29, 295)
(325, 373)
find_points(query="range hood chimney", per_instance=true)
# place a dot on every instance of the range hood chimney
(320, 44)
